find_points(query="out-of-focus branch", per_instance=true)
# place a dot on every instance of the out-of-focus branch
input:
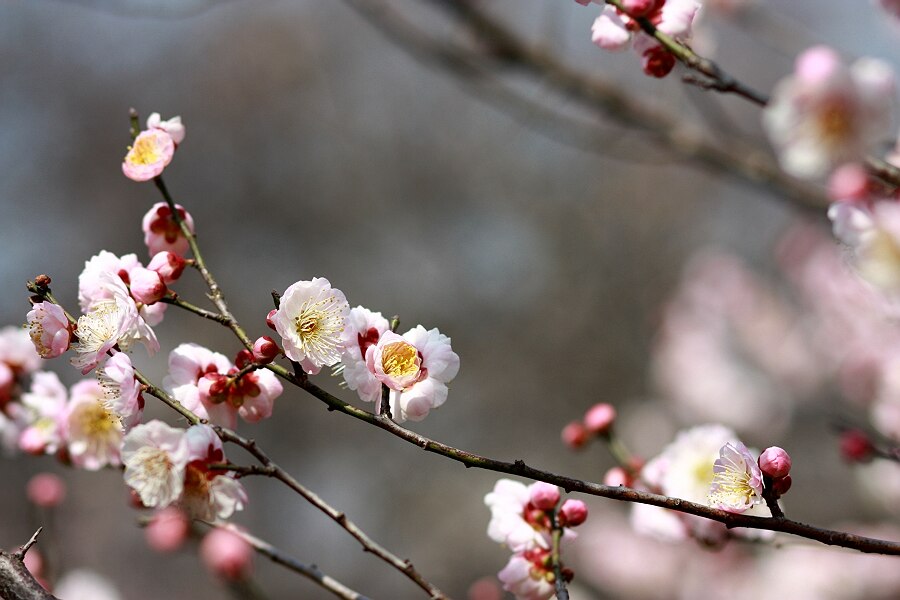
(498, 48)
(16, 582)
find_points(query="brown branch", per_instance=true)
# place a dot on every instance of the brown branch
(16, 581)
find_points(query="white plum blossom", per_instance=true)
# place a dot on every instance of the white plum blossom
(209, 494)
(512, 523)
(417, 367)
(738, 481)
(313, 322)
(42, 414)
(528, 575)
(369, 327)
(106, 275)
(110, 323)
(155, 456)
(188, 363)
(826, 114)
(49, 329)
(121, 389)
(93, 430)
(872, 231)
(174, 127)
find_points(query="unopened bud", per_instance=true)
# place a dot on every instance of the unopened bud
(638, 8)
(46, 490)
(574, 435)
(617, 476)
(856, 446)
(168, 530)
(781, 485)
(657, 62)
(146, 286)
(599, 418)
(243, 358)
(572, 513)
(270, 319)
(169, 265)
(543, 495)
(226, 554)
(849, 182)
(265, 350)
(775, 462)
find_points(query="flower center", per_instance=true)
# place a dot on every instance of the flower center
(145, 151)
(98, 326)
(97, 421)
(835, 122)
(319, 325)
(400, 359)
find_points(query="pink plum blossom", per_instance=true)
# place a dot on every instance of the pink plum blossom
(574, 435)
(209, 494)
(265, 350)
(515, 519)
(155, 456)
(599, 418)
(528, 575)
(18, 358)
(106, 275)
(168, 265)
(572, 513)
(149, 155)
(49, 329)
(173, 126)
(313, 322)
(873, 234)
(122, 391)
(416, 367)
(109, 323)
(168, 530)
(146, 286)
(369, 327)
(775, 462)
(543, 495)
(826, 114)
(42, 414)
(162, 233)
(93, 430)
(226, 554)
(737, 484)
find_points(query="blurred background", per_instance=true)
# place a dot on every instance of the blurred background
(317, 147)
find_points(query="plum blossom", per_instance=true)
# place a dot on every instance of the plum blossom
(108, 324)
(209, 494)
(826, 114)
(82, 584)
(162, 233)
(174, 127)
(515, 519)
(226, 554)
(42, 414)
(93, 430)
(149, 154)
(529, 575)
(737, 484)
(18, 358)
(203, 381)
(417, 367)
(369, 327)
(872, 231)
(155, 456)
(313, 322)
(106, 275)
(49, 329)
(121, 390)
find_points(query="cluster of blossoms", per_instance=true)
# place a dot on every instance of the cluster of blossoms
(319, 329)
(523, 518)
(617, 29)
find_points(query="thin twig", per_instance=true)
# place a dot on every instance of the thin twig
(556, 560)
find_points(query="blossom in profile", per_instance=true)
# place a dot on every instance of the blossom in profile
(162, 233)
(155, 456)
(826, 114)
(313, 322)
(121, 390)
(417, 367)
(529, 575)
(209, 494)
(42, 413)
(738, 482)
(149, 155)
(49, 329)
(369, 327)
(174, 127)
(93, 430)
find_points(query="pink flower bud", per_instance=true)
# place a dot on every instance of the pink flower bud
(265, 350)
(657, 62)
(269, 319)
(781, 485)
(775, 462)
(618, 476)
(856, 446)
(599, 418)
(146, 286)
(543, 495)
(243, 358)
(572, 513)
(46, 490)
(638, 8)
(168, 530)
(485, 588)
(169, 265)
(574, 435)
(226, 554)
(849, 182)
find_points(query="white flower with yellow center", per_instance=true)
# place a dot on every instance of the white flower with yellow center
(738, 481)
(313, 322)
(93, 429)
(98, 331)
(155, 456)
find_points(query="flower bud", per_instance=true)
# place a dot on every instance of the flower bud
(169, 265)
(657, 62)
(32, 441)
(243, 358)
(638, 8)
(572, 513)
(265, 350)
(849, 182)
(146, 286)
(168, 530)
(269, 319)
(46, 490)
(226, 554)
(856, 446)
(618, 476)
(781, 485)
(544, 495)
(599, 418)
(775, 462)
(574, 435)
